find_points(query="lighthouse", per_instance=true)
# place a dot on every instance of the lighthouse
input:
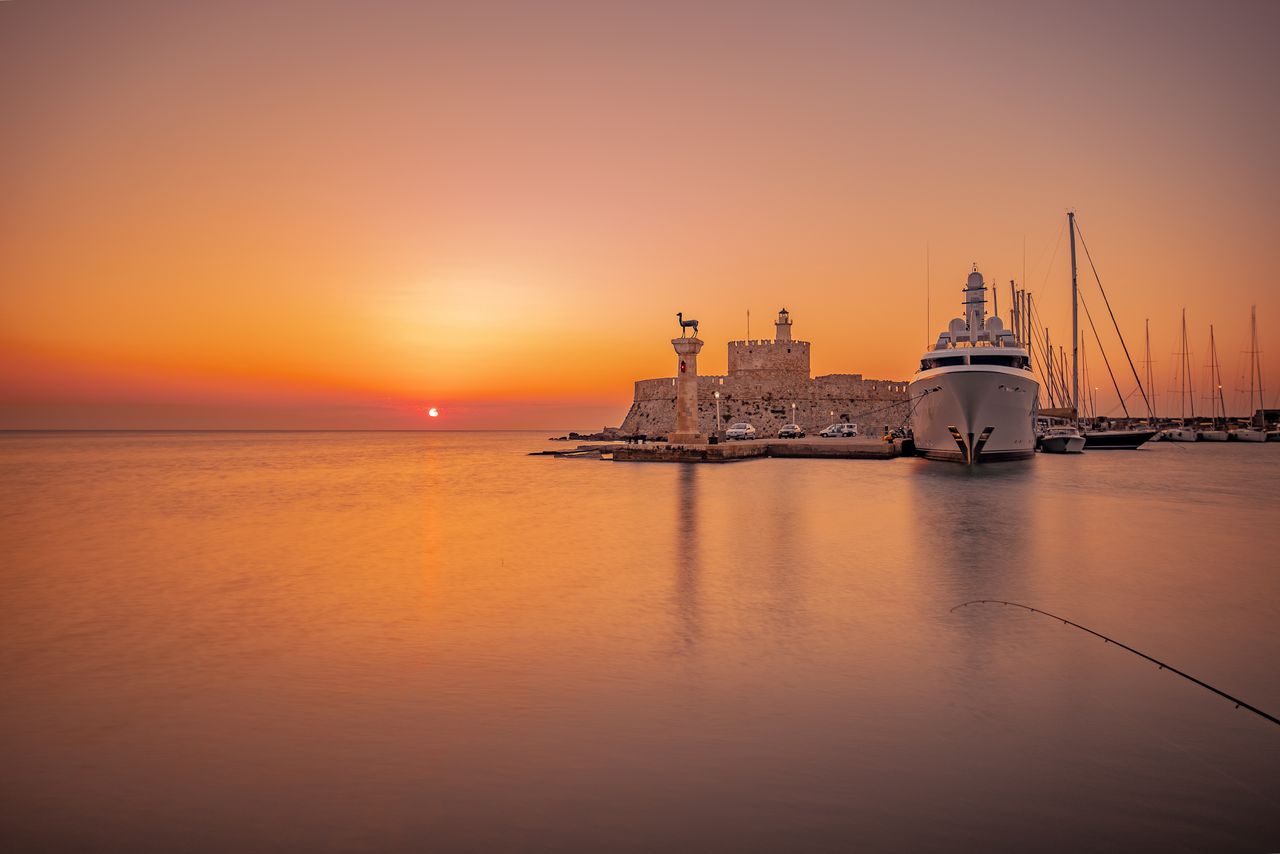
(782, 327)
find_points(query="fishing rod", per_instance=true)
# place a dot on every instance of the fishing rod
(1240, 704)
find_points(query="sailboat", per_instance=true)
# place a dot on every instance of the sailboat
(1216, 431)
(1112, 439)
(1252, 433)
(1184, 433)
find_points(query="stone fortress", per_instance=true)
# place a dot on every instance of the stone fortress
(768, 385)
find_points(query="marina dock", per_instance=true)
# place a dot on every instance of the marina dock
(726, 452)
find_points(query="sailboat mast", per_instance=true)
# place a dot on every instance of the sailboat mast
(1062, 361)
(1151, 403)
(1075, 319)
(1048, 365)
(1188, 392)
(1215, 377)
(1084, 372)
(1255, 365)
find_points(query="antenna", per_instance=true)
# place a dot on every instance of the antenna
(1024, 259)
(928, 327)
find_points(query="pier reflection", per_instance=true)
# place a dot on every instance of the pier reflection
(782, 606)
(687, 560)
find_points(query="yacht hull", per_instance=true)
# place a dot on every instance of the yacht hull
(1062, 444)
(1250, 435)
(1213, 435)
(1118, 440)
(971, 414)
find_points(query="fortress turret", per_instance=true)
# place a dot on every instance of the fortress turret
(781, 355)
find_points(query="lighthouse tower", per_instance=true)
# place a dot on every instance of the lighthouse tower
(783, 327)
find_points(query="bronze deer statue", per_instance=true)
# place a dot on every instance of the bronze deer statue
(686, 324)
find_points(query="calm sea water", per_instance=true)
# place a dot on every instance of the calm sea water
(356, 641)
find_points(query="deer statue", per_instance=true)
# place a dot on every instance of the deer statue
(686, 324)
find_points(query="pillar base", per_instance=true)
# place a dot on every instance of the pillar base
(687, 439)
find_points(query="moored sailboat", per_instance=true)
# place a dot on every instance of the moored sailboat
(1216, 431)
(1183, 433)
(1110, 438)
(1252, 433)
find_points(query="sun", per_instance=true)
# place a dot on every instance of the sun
(433, 412)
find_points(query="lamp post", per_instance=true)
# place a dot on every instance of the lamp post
(717, 397)
(793, 413)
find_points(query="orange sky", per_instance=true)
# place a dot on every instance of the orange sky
(330, 214)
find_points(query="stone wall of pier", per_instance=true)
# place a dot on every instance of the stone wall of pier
(765, 398)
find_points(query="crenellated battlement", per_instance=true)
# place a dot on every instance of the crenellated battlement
(784, 357)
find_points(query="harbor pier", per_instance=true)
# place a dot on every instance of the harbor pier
(726, 452)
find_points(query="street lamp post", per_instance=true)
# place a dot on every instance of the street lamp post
(793, 413)
(717, 397)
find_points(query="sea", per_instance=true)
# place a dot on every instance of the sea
(432, 641)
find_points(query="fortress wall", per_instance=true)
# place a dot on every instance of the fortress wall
(791, 357)
(765, 402)
(656, 389)
(665, 387)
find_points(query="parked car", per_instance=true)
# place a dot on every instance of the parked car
(791, 431)
(741, 430)
(840, 431)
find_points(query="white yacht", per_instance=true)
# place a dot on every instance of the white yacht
(974, 398)
(1061, 439)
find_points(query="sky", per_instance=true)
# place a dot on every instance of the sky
(338, 215)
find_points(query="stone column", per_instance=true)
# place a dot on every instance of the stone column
(686, 431)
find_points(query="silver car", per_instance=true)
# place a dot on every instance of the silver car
(840, 431)
(741, 430)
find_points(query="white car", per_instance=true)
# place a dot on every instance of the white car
(840, 431)
(741, 430)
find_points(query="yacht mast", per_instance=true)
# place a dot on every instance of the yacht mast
(1013, 314)
(1075, 319)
